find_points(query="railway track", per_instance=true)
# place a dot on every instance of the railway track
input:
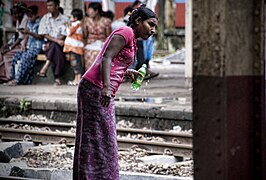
(178, 144)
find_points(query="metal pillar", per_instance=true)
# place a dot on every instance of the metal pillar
(228, 90)
(188, 44)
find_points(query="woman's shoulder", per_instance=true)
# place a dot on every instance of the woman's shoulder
(126, 32)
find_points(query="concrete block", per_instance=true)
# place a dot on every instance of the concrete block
(61, 175)
(9, 150)
(17, 172)
(38, 173)
(5, 169)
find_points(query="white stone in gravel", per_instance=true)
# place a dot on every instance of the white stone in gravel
(158, 159)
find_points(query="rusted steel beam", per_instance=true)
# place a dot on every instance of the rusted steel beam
(228, 90)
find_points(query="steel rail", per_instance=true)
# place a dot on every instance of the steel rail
(52, 125)
(9, 134)
(175, 137)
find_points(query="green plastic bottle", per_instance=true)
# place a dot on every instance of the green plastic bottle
(138, 81)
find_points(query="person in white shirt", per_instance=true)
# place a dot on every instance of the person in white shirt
(53, 29)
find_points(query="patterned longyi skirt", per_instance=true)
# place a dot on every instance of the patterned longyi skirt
(96, 150)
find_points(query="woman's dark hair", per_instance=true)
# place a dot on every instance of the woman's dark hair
(142, 12)
(136, 3)
(127, 10)
(57, 2)
(96, 7)
(77, 13)
(32, 10)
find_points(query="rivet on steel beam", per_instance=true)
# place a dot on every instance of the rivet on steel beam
(218, 102)
(196, 134)
(218, 119)
(195, 100)
(217, 136)
(217, 48)
(195, 32)
(258, 168)
(256, 65)
(217, 84)
(217, 30)
(196, 150)
(257, 81)
(195, 47)
(218, 171)
(196, 168)
(256, 47)
(217, 66)
(195, 13)
(195, 81)
(217, 14)
(256, 12)
(257, 133)
(256, 29)
(218, 153)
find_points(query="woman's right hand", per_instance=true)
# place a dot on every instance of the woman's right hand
(105, 97)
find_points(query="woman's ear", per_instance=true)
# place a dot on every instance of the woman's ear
(137, 20)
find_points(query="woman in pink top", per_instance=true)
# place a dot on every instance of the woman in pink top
(96, 150)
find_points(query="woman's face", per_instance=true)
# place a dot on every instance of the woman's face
(146, 28)
(92, 13)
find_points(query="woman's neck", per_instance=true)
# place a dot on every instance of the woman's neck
(135, 32)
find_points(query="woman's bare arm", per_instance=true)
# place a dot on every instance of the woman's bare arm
(115, 45)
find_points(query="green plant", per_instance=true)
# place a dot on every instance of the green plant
(4, 107)
(24, 105)
(4, 110)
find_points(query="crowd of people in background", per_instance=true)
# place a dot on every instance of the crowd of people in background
(79, 36)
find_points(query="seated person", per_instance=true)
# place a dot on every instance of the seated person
(31, 47)
(53, 29)
(13, 46)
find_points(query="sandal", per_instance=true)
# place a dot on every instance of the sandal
(72, 83)
(41, 74)
(11, 83)
(57, 82)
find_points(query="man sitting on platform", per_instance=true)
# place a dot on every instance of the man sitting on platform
(52, 27)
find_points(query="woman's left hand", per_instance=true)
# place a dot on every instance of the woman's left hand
(105, 97)
(132, 74)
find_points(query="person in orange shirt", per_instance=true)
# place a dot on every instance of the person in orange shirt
(74, 45)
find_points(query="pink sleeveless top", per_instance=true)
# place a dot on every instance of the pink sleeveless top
(119, 63)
